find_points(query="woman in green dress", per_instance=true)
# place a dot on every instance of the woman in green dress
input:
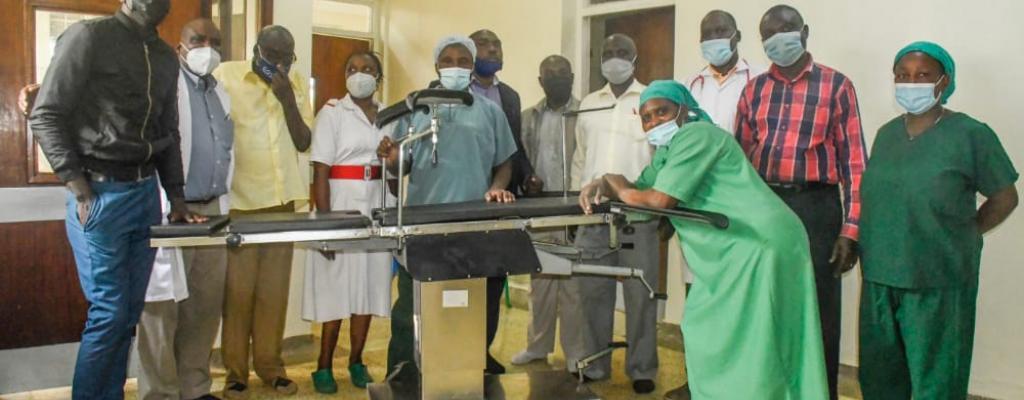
(751, 329)
(921, 233)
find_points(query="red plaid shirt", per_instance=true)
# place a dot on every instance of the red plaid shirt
(805, 130)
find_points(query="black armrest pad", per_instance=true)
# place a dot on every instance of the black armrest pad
(185, 229)
(288, 221)
(483, 211)
(717, 220)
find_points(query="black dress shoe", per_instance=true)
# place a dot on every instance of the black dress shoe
(643, 386)
(493, 366)
(207, 397)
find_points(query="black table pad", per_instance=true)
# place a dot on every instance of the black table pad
(183, 229)
(470, 255)
(290, 222)
(483, 211)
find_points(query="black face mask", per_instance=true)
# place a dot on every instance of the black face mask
(557, 88)
(151, 12)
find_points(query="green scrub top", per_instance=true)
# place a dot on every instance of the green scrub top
(751, 326)
(471, 142)
(919, 202)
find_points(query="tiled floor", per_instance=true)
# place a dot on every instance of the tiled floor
(510, 340)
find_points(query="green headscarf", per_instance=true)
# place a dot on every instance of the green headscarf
(675, 92)
(939, 54)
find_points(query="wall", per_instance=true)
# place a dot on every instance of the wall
(529, 29)
(297, 16)
(860, 39)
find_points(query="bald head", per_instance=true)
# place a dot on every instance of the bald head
(488, 45)
(276, 44)
(619, 46)
(554, 63)
(200, 32)
(718, 24)
(780, 18)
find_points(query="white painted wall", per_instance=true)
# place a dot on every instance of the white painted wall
(860, 39)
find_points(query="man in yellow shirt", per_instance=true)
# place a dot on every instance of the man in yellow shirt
(272, 115)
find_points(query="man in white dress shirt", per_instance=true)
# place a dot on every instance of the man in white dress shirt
(613, 141)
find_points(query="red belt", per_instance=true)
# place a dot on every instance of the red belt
(355, 172)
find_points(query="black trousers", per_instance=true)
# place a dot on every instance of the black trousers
(495, 287)
(821, 210)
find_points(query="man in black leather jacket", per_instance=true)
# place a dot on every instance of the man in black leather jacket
(106, 119)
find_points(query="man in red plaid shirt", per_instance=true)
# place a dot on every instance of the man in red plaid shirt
(800, 127)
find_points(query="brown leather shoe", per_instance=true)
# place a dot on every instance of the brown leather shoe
(679, 393)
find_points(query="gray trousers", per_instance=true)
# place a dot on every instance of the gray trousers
(176, 338)
(555, 298)
(639, 250)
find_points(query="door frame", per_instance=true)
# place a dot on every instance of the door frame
(585, 13)
(374, 36)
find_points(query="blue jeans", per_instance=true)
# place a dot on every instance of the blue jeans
(114, 262)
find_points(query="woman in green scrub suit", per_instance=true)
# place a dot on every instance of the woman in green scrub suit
(751, 329)
(921, 234)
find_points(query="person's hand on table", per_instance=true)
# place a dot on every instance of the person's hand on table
(844, 255)
(180, 213)
(592, 193)
(534, 185)
(499, 196)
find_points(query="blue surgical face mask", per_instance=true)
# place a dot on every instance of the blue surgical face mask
(917, 98)
(455, 78)
(718, 52)
(662, 134)
(487, 68)
(785, 48)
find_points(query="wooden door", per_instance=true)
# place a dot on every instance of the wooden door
(654, 34)
(329, 56)
(40, 297)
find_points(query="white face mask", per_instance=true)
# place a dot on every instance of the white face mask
(361, 85)
(202, 60)
(617, 71)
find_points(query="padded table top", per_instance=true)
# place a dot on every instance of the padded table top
(482, 211)
(290, 222)
(184, 229)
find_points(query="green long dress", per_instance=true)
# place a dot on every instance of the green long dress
(751, 329)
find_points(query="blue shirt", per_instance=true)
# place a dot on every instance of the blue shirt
(212, 136)
(471, 142)
(490, 92)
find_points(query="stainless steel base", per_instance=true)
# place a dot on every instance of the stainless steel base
(538, 385)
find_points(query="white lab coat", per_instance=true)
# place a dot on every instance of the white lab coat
(167, 281)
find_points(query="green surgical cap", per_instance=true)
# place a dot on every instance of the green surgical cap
(675, 92)
(939, 54)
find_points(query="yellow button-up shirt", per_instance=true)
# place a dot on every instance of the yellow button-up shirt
(267, 170)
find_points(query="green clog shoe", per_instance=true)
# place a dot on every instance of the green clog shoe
(323, 381)
(359, 375)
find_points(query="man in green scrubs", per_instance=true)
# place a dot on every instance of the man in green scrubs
(921, 234)
(474, 147)
(751, 329)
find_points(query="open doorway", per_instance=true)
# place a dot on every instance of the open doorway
(653, 30)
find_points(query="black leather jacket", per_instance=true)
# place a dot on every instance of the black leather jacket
(108, 105)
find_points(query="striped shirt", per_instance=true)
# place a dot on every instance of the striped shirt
(805, 130)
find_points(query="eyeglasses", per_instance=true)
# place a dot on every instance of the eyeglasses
(271, 57)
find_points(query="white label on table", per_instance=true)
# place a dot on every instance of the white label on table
(455, 299)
